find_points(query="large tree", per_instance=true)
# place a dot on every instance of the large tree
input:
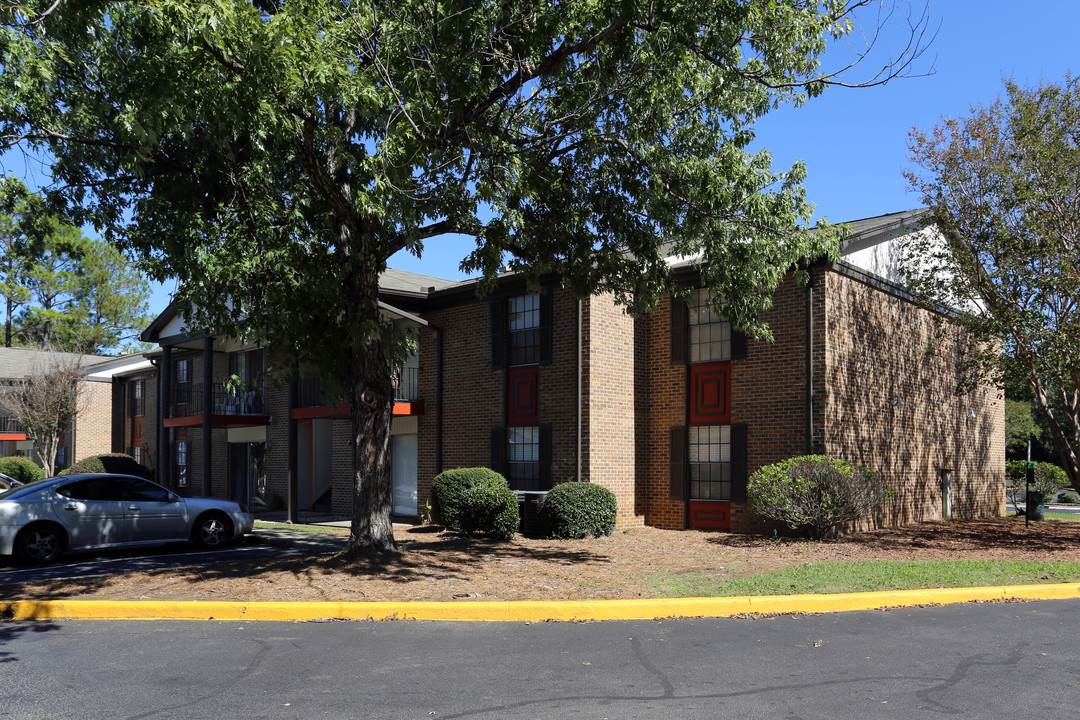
(1003, 184)
(273, 155)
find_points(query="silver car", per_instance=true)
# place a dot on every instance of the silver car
(40, 520)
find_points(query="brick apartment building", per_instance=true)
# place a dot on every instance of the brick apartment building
(90, 433)
(670, 412)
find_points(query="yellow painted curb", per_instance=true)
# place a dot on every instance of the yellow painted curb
(525, 611)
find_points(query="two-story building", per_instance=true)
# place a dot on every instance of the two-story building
(671, 412)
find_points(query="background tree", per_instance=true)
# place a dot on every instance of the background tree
(1004, 188)
(84, 296)
(46, 403)
(19, 243)
(272, 156)
(62, 289)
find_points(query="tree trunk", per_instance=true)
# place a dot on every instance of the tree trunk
(371, 398)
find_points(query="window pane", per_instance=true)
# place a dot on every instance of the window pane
(710, 334)
(709, 450)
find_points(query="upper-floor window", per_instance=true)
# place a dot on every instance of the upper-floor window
(182, 381)
(710, 333)
(524, 329)
(138, 399)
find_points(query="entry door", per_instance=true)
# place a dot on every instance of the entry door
(247, 473)
(946, 494)
(403, 469)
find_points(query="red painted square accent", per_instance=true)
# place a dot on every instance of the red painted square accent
(710, 516)
(710, 394)
(523, 396)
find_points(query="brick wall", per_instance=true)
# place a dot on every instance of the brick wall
(891, 405)
(93, 424)
(661, 393)
(609, 415)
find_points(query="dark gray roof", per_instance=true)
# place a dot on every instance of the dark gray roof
(892, 223)
(17, 362)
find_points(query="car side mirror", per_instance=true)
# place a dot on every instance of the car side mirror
(174, 498)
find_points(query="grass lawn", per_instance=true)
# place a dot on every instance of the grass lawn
(867, 576)
(298, 527)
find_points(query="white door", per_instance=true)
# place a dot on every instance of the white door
(403, 469)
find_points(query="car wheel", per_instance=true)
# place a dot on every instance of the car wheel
(212, 530)
(39, 544)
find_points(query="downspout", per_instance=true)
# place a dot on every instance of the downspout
(438, 398)
(207, 424)
(580, 343)
(292, 501)
(810, 365)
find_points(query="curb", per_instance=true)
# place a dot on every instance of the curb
(518, 611)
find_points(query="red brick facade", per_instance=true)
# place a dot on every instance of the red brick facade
(848, 375)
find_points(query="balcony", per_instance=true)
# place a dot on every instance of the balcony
(311, 402)
(11, 429)
(230, 406)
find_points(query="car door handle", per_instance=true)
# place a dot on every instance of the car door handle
(71, 506)
(133, 507)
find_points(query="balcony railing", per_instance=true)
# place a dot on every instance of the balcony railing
(188, 400)
(9, 425)
(407, 390)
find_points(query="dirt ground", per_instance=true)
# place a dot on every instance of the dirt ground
(440, 566)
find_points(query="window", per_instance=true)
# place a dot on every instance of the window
(524, 329)
(139, 490)
(523, 457)
(182, 383)
(180, 465)
(61, 457)
(138, 400)
(710, 333)
(710, 462)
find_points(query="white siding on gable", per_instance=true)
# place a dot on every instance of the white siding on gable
(880, 255)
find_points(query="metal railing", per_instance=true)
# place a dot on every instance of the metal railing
(187, 400)
(407, 389)
(10, 425)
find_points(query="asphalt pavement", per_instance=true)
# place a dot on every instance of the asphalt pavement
(985, 661)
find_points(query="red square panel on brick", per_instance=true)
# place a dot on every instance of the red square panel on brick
(523, 396)
(710, 394)
(710, 516)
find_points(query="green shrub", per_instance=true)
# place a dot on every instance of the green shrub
(579, 509)
(1049, 478)
(448, 491)
(815, 492)
(116, 463)
(22, 469)
(1069, 497)
(489, 509)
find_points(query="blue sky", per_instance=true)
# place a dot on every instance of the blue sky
(853, 141)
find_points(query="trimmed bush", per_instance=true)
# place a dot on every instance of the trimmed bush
(489, 509)
(1049, 478)
(1069, 498)
(579, 509)
(22, 469)
(815, 493)
(448, 492)
(116, 463)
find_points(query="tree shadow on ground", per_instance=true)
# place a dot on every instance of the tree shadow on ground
(11, 630)
(425, 556)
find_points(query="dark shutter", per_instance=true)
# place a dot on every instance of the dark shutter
(497, 323)
(738, 463)
(678, 332)
(119, 392)
(545, 457)
(738, 345)
(498, 449)
(547, 299)
(678, 463)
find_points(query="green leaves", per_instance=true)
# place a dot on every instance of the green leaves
(1004, 187)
